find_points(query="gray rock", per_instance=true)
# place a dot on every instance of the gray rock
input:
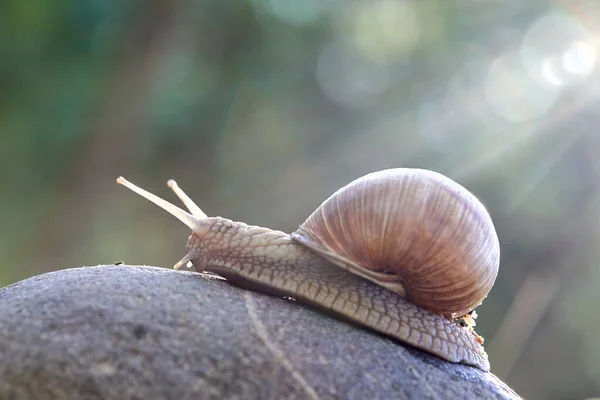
(127, 332)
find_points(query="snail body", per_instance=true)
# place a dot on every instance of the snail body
(400, 251)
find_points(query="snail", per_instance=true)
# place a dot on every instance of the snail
(400, 251)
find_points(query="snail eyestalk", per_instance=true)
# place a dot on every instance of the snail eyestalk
(189, 203)
(193, 222)
(186, 259)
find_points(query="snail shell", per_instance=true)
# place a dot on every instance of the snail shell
(413, 231)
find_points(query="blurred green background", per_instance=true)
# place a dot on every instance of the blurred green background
(262, 108)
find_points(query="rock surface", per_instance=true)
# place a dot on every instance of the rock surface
(129, 332)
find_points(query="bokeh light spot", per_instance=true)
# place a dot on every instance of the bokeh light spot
(549, 73)
(380, 30)
(349, 79)
(580, 59)
(293, 11)
(512, 93)
(554, 51)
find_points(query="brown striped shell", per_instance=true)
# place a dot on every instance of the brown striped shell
(413, 231)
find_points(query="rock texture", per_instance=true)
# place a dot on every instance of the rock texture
(129, 332)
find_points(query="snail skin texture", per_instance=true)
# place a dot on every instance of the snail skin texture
(400, 251)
